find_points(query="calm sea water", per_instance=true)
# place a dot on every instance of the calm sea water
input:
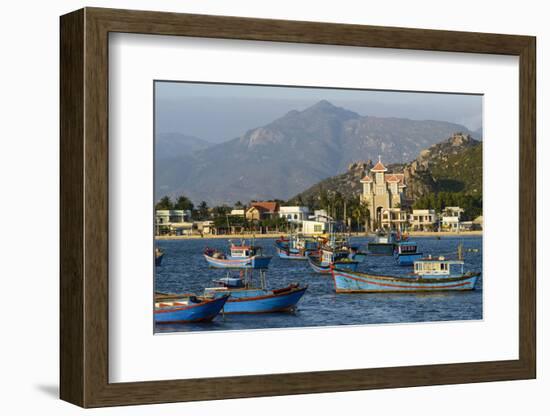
(184, 270)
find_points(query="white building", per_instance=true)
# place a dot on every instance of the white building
(171, 216)
(450, 218)
(237, 212)
(423, 219)
(320, 215)
(173, 221)
(310, 227)
(294, 214)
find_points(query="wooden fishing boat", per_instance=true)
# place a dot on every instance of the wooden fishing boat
(187, 308)
(383, 244)
(356, 254)
(296, 247)
(242, 256)
(247, 299)
(430, 275)
(406, 253)
(159, 255)
(332, 258)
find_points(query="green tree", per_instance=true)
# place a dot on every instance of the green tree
(203, 210)
(183, 203)
(165, 203)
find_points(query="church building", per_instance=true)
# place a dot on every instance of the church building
(383, 194)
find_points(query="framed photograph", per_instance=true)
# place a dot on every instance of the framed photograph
(255, 207)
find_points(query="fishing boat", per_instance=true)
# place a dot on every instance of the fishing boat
(332, 258)
(173, 308)
(159, 255)
(247, 299)
(242, 256)
(296, 247)
(406, 253)
(355, 253)
(430, 275)
(383, 244)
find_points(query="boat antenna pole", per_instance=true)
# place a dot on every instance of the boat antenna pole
(460, 251)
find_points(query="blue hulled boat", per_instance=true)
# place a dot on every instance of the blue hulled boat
(187, 308)
(406, 253)
(382, 245)
(242, 256)
(430, 275)
(332, 258)
(296, 247)
(246, 299)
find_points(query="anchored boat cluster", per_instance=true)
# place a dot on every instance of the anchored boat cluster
(334, 255)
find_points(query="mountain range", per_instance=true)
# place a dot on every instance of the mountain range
(453, 165)
(290, 154)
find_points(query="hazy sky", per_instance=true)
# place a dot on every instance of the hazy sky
(219, 112)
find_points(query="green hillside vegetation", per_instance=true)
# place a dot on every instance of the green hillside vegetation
(458, 181)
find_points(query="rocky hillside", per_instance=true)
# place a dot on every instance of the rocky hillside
(454, 165)
(293, 153)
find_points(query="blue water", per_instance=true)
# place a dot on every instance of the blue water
(184, 270)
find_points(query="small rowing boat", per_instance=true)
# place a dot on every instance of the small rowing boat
(173, 308)
(242, 256)
(247, 299)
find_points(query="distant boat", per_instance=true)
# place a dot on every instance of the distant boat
(296, 247)
(332, 258)
(430, 275)
(242, 256)
(159, 255)
(383, 244)
(406, 253)
(247, 299)
(356, 254)
(187, 308)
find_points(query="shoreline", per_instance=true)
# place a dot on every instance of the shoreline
(277, 235)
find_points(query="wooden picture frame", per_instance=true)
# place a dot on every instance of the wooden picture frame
(84, 207)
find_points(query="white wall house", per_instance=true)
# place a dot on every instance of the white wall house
(310, 227)
(173, 221)
(450, 218)
(423, 219)
(237, 212)
(320, 215)
(169, 216)
(294, 214)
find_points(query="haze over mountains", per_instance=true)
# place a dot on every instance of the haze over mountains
(288, 155)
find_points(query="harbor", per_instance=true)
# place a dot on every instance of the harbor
(184, 270)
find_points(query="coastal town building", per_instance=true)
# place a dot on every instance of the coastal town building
(168, 216)
(261, 210)
(172, 221)
(320, 215)
(294, 214)
(478, 223)
(450, 218)
(311, 227)
(423, 220)
(237, 212)
(383, 194)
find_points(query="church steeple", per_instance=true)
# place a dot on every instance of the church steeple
(379, 167)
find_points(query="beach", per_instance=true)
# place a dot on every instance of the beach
(277, 235)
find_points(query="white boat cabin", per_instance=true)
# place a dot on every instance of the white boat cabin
(438, 267)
